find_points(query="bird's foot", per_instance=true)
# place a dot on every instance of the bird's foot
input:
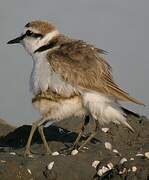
(68, 150)
(28, 153)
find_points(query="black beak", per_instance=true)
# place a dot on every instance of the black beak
(16, 40)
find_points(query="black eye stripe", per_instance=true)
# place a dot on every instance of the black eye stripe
(32, 34)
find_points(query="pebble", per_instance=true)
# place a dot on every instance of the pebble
(29, 171)
(108, 146)
(12, 153)
(55, 153)
(95, 163)
(50, 165)
(123, 160)
(147, 155)
(134, 168)
(74, 152)
(105, 129)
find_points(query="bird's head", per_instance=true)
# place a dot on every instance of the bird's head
(35, 35)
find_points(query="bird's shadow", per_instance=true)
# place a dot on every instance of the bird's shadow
(18, 138)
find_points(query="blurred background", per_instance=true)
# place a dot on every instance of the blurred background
(120, 27)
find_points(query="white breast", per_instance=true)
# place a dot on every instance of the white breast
(41, 74)
(43, 77)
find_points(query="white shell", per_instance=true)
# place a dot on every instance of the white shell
(55, 153)
(123, 171)
(61, 130)
(139, 154)
(85, 147)
(12, 153)
(74, 152)
(105, 129)
(123, 160)
(102, 171)
(108, 146)
(50, 165)
(132, 159)
(110, 165)
(134, 168)
(2, 161)
(95, 163)
(147, 154)
(29, 171)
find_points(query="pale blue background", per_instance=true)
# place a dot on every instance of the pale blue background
(121, 27)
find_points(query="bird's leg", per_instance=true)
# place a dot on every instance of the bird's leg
(40, 129)
(28, 145)
(92, 134)
(85, 123)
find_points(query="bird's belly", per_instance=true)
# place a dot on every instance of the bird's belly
(60, 108)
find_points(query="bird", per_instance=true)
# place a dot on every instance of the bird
(70, 77)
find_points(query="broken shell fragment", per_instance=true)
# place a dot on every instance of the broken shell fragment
(74, 152)
(95, 163)
(108, 146)
(55, 153)
(50, 165)
(139, 154)
(134, 168)
(105, 129)
(123, 171)
(29, 171)
(147, 154)
(110, 165)
(102, 171)
(123, 160)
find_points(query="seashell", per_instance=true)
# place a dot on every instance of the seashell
(50, 165)
(132, 159)
(123, 171)
(105, 169)
(102, 171)
(105, 129)
(147, 154)
(55, 153)
(2, 161)
(108, 146)
(61, 130)
(134, 168)
(74, 152)
(85, 147)
(95, 163)
(139, 154)
(12, 153)
(29, 171)
(110, 165)
(123, 160)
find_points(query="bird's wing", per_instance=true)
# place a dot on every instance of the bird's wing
(82, 65)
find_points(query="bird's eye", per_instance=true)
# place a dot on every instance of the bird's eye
(29, 33)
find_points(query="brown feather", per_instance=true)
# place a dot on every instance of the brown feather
(81, 65)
